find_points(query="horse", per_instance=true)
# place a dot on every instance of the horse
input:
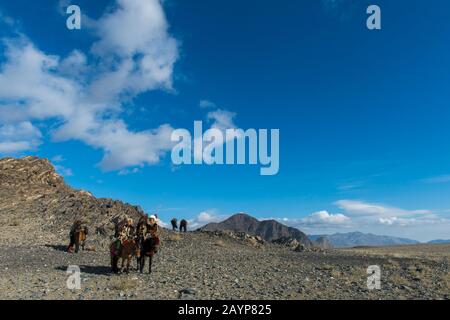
(80, 238)
(183, 225)
(128, 249)
(174, 223)
(141, 230)
(149, 248)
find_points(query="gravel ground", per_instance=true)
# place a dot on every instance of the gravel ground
(204, 266)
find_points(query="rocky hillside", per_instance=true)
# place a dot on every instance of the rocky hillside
(269, 230)
(36, 205)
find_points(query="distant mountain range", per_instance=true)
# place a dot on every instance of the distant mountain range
(269, 230)
(438, 241)
(352, 239)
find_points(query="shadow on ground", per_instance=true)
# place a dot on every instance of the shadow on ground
(57, 247)
(98, 270)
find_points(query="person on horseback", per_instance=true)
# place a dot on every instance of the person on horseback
(141, 230)
(124, 230)
(128, 229)
(151, 242)
(152, 228)
(77, 226)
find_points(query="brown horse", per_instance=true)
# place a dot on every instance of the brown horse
(80, 238)
(128, 249)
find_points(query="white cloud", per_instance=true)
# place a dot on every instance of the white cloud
(8, 21)
(325, 218)
(58, 158)
(318, 222)
(137, 50)
(363, 209)
(84, 96)
(222, 119)
(369, 214)
(66, 172)
(423, 220)
(204, 218)
(31, 86)
(207, 104)
(74, 65)
(125, 172)
(19, 137)
(62, 170)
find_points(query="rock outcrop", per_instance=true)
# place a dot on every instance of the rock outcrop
(37, 205)
(248, 239)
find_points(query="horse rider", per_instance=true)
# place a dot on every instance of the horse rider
(152, 232)
(174, 223)
(124, 230)
(128, 229)
(151, 242)
(76, 227)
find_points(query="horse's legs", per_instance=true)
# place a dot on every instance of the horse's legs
(142, 263)
(138, 258)
(114, 262)
(128, 264)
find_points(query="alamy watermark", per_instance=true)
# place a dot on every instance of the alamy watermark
(228, 146)
(374, 20)
(73, 22)
(73, 282)
(374, 278)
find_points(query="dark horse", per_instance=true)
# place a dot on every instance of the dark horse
(183, 225)
(141, 231)
(149, 249)
(174, 223)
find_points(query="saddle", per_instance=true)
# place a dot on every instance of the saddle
(115, 248)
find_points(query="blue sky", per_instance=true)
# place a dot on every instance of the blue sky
(363, 114)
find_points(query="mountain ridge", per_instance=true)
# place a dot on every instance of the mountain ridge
(269, 230)
(438, 241)
(352, 239)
